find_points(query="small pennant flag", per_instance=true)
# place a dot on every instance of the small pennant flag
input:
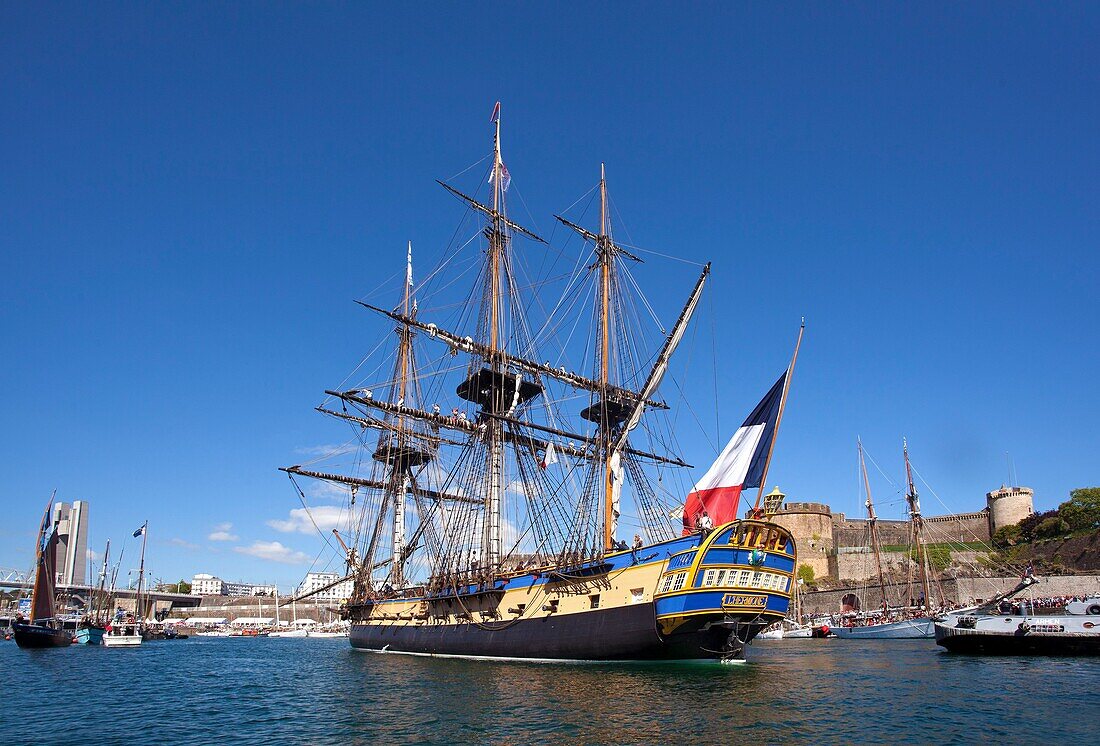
(496, 114)
(550, 457)
(140, 531)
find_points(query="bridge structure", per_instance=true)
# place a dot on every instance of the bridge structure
(15, 580)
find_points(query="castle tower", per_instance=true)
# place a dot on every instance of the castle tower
(1008, 506)
(811, 525)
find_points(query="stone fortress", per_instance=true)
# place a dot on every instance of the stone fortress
(838, 548)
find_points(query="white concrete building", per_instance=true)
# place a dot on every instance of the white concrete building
(249, 589)
(203, 584)
(315, 580)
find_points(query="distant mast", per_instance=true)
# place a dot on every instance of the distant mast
(872, 523)
(138, 612)
(917, 523)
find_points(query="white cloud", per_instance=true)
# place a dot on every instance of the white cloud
(327, 517)
(91, 555)
(182, 543)
(221, 533)
(275, 552)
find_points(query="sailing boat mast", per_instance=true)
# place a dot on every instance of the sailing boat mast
(138, 612)
(42, 594)
(872, 523)
(917, 523)
(99, 604)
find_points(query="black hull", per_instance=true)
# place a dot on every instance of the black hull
(614, 634)
(34, 636)
(996, 644)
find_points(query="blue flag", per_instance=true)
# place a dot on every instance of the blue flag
(139, 532)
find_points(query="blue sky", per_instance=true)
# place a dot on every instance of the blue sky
(191, 197)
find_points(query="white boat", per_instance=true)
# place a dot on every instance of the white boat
(785, 629)
(917, 628)
(324, 633)
(122, 635)
(290, 633)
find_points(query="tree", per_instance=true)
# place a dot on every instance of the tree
(1029, 525)
(1082, 511)
(1051, 528)
(806, 574)
(1006, 536)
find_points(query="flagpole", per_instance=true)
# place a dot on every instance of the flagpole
(779, 417)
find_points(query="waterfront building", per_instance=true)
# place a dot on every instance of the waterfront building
(249, 589)
(72, 541)
(203, 584)
(315, 580)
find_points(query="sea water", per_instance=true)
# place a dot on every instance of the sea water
(302, 690)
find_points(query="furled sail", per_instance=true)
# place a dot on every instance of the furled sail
(740, 465)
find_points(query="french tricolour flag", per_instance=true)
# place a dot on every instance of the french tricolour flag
(740, 466)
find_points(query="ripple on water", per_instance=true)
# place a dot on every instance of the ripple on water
(234, 691)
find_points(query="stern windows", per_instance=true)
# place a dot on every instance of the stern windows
(712, 578)
(672, 582)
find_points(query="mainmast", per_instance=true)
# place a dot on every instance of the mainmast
(404, 354)
(611, 479)
(611, 410)
(917, 523)
(490, 540)
(872, 523)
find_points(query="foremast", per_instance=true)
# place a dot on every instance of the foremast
(872, 524)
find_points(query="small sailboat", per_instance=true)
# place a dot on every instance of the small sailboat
(909, 623)
(44, 629)
(296, 630)
(125, 631)
(90, 629)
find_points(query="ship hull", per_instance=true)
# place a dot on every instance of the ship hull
(690, 598)
(35, 636)
(906, 629)
(90, 635)
(616, 634)
(1019, 636)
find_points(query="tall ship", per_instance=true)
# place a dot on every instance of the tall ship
(504, 503)
(901, 621)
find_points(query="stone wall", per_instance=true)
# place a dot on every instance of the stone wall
(964, 591)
